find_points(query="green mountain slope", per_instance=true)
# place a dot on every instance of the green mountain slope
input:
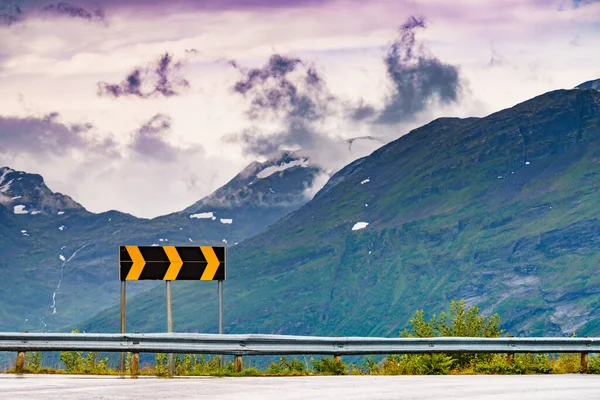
(59, 262)
(502, 211)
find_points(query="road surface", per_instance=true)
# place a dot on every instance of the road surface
(464, 387)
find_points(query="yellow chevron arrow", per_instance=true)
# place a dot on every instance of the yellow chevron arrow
(176, 263)
(138, 263)
(213, 263)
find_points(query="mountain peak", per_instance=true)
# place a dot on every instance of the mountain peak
(27, 193)
(279, 181)
(593, 84)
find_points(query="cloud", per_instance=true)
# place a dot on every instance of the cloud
(149, 140)
(73, 11)
(291, 91)
(48, 136)
(361, 111)
(418, 78)
(16, 11)
(75, 159)
(576, 41)
(272, 89)
(577, 3)
(160, 79)
(364, 138)
(10, 13)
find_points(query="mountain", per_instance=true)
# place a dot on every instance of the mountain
(594, 84)
(60, 261)
(501, 211)
(258, 196)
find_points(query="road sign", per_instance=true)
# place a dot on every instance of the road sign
(172, 263)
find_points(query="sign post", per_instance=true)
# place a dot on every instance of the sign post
(171, 263)
(123, 329)
(220, 295)
(170, 323)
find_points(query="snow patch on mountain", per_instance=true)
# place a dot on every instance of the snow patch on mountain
(226, 220)
(304, 163)
(359, 225)
(20, 209)
(5, 172)
(4, 188)
(203, 215)
(365, 181)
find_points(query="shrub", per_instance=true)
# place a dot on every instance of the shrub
(287, 367)
(329, 366)
(435, 364)
(417, 364)
(594, 364)
(567, 364)
(161, 364)
(463, 321)
(369, 366)
(34, 361)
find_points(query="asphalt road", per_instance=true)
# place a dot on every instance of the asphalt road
(464, 387)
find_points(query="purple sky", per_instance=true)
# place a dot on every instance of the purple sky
(107, 97)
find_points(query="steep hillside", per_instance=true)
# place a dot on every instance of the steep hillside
(59, 261)
(502, 211)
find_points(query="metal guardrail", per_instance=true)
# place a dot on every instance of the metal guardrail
(286, 345)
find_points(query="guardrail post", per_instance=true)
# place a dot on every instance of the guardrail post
(20, 362)
(584, 363)
(135, 364)
(237, 364)
(510, 356)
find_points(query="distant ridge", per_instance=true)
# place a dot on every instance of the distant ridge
(593, 84)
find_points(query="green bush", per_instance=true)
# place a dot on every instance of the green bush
(521, 364)
(418, 364)
(463, 321)
(287, 367)
(369, 366)
(594, 364)
(191, 365)
(34, 361)
(567, 364)
(329, 366)
(77, 362)
(161, 364)
(435, 364)
(533, 363)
